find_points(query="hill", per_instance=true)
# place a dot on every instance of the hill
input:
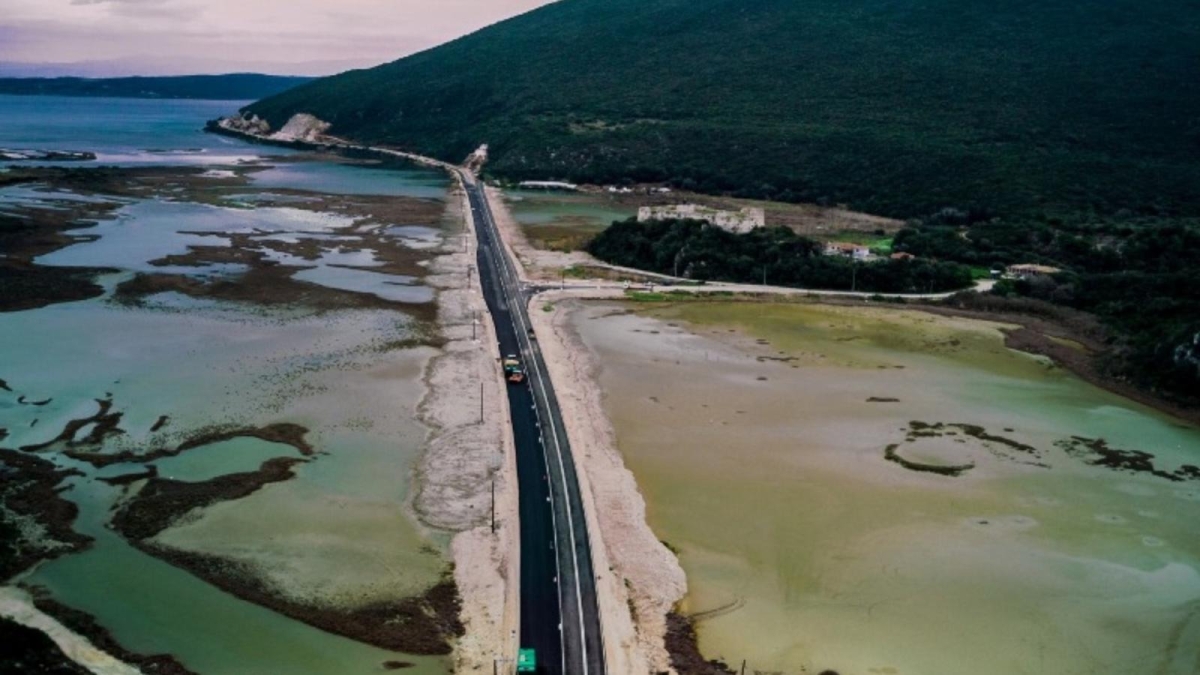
(235, 87)
(1061, 132)
(896, 108)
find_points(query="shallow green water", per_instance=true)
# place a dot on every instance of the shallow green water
(224, 366)
(152, 607)
(812, 551)
(586, 212)
(217, 459)
(341, 530)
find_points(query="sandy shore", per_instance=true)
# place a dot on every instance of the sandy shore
(465, 458)
(16, 605)
(644, 580)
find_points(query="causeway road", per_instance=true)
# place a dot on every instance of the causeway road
(560, 617)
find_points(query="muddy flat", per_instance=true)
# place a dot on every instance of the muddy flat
(760, 437)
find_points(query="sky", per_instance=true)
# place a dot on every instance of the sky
(169, 37)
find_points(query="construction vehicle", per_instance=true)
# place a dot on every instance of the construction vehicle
(513, 372)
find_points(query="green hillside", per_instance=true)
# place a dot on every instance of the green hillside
(235, 87)
(1063, 132)
(897, 108)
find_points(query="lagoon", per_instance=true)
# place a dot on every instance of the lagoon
(176, 367)
(757, 433)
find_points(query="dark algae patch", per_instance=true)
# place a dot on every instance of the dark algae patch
(86, 625)
(283, 432)
(24, 651)
(1001, 447)
(31, 231)
(30, 488)
(425, 624)
(151, 471)
(891, 455)
(1096, 452)
(161, 422)
(30, 287)
(918, 429)
(684, 650)
(35, 230)
(162, 501)
(105, 423)
(1091, 451)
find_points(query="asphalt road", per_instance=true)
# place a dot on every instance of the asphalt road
(559, 614)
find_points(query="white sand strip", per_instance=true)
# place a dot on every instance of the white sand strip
(463, 458)
(15, 604)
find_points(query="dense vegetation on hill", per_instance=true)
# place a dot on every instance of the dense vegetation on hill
(896, 108)
(1140, 275)
(777, 255)
(1008, 132)
(236, 87)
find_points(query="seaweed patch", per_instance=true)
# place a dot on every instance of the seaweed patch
(1097, 452)
(890, 454)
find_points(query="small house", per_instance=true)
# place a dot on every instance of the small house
(1029, 271)
(844, 249)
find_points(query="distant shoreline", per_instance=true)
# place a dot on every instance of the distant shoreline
(231, 87)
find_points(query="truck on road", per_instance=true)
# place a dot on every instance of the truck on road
(513, 372)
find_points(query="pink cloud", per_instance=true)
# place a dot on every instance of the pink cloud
(285, 36)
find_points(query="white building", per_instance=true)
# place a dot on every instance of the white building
(734, 221)
(547, 185)
(847, 250)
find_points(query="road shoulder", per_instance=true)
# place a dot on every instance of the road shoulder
(638, 579)
(463, 456)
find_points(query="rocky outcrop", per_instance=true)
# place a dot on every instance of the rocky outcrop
(477, 159)
(302, 127)
(253, 125)
(1187, 356)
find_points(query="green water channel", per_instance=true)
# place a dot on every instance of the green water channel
(548, 215)
(338, 534)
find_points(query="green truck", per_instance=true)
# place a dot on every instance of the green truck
(526, 661)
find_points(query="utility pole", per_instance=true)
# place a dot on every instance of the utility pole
(474, 322)
(493, 504)
(481, 402)
(853, 276)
